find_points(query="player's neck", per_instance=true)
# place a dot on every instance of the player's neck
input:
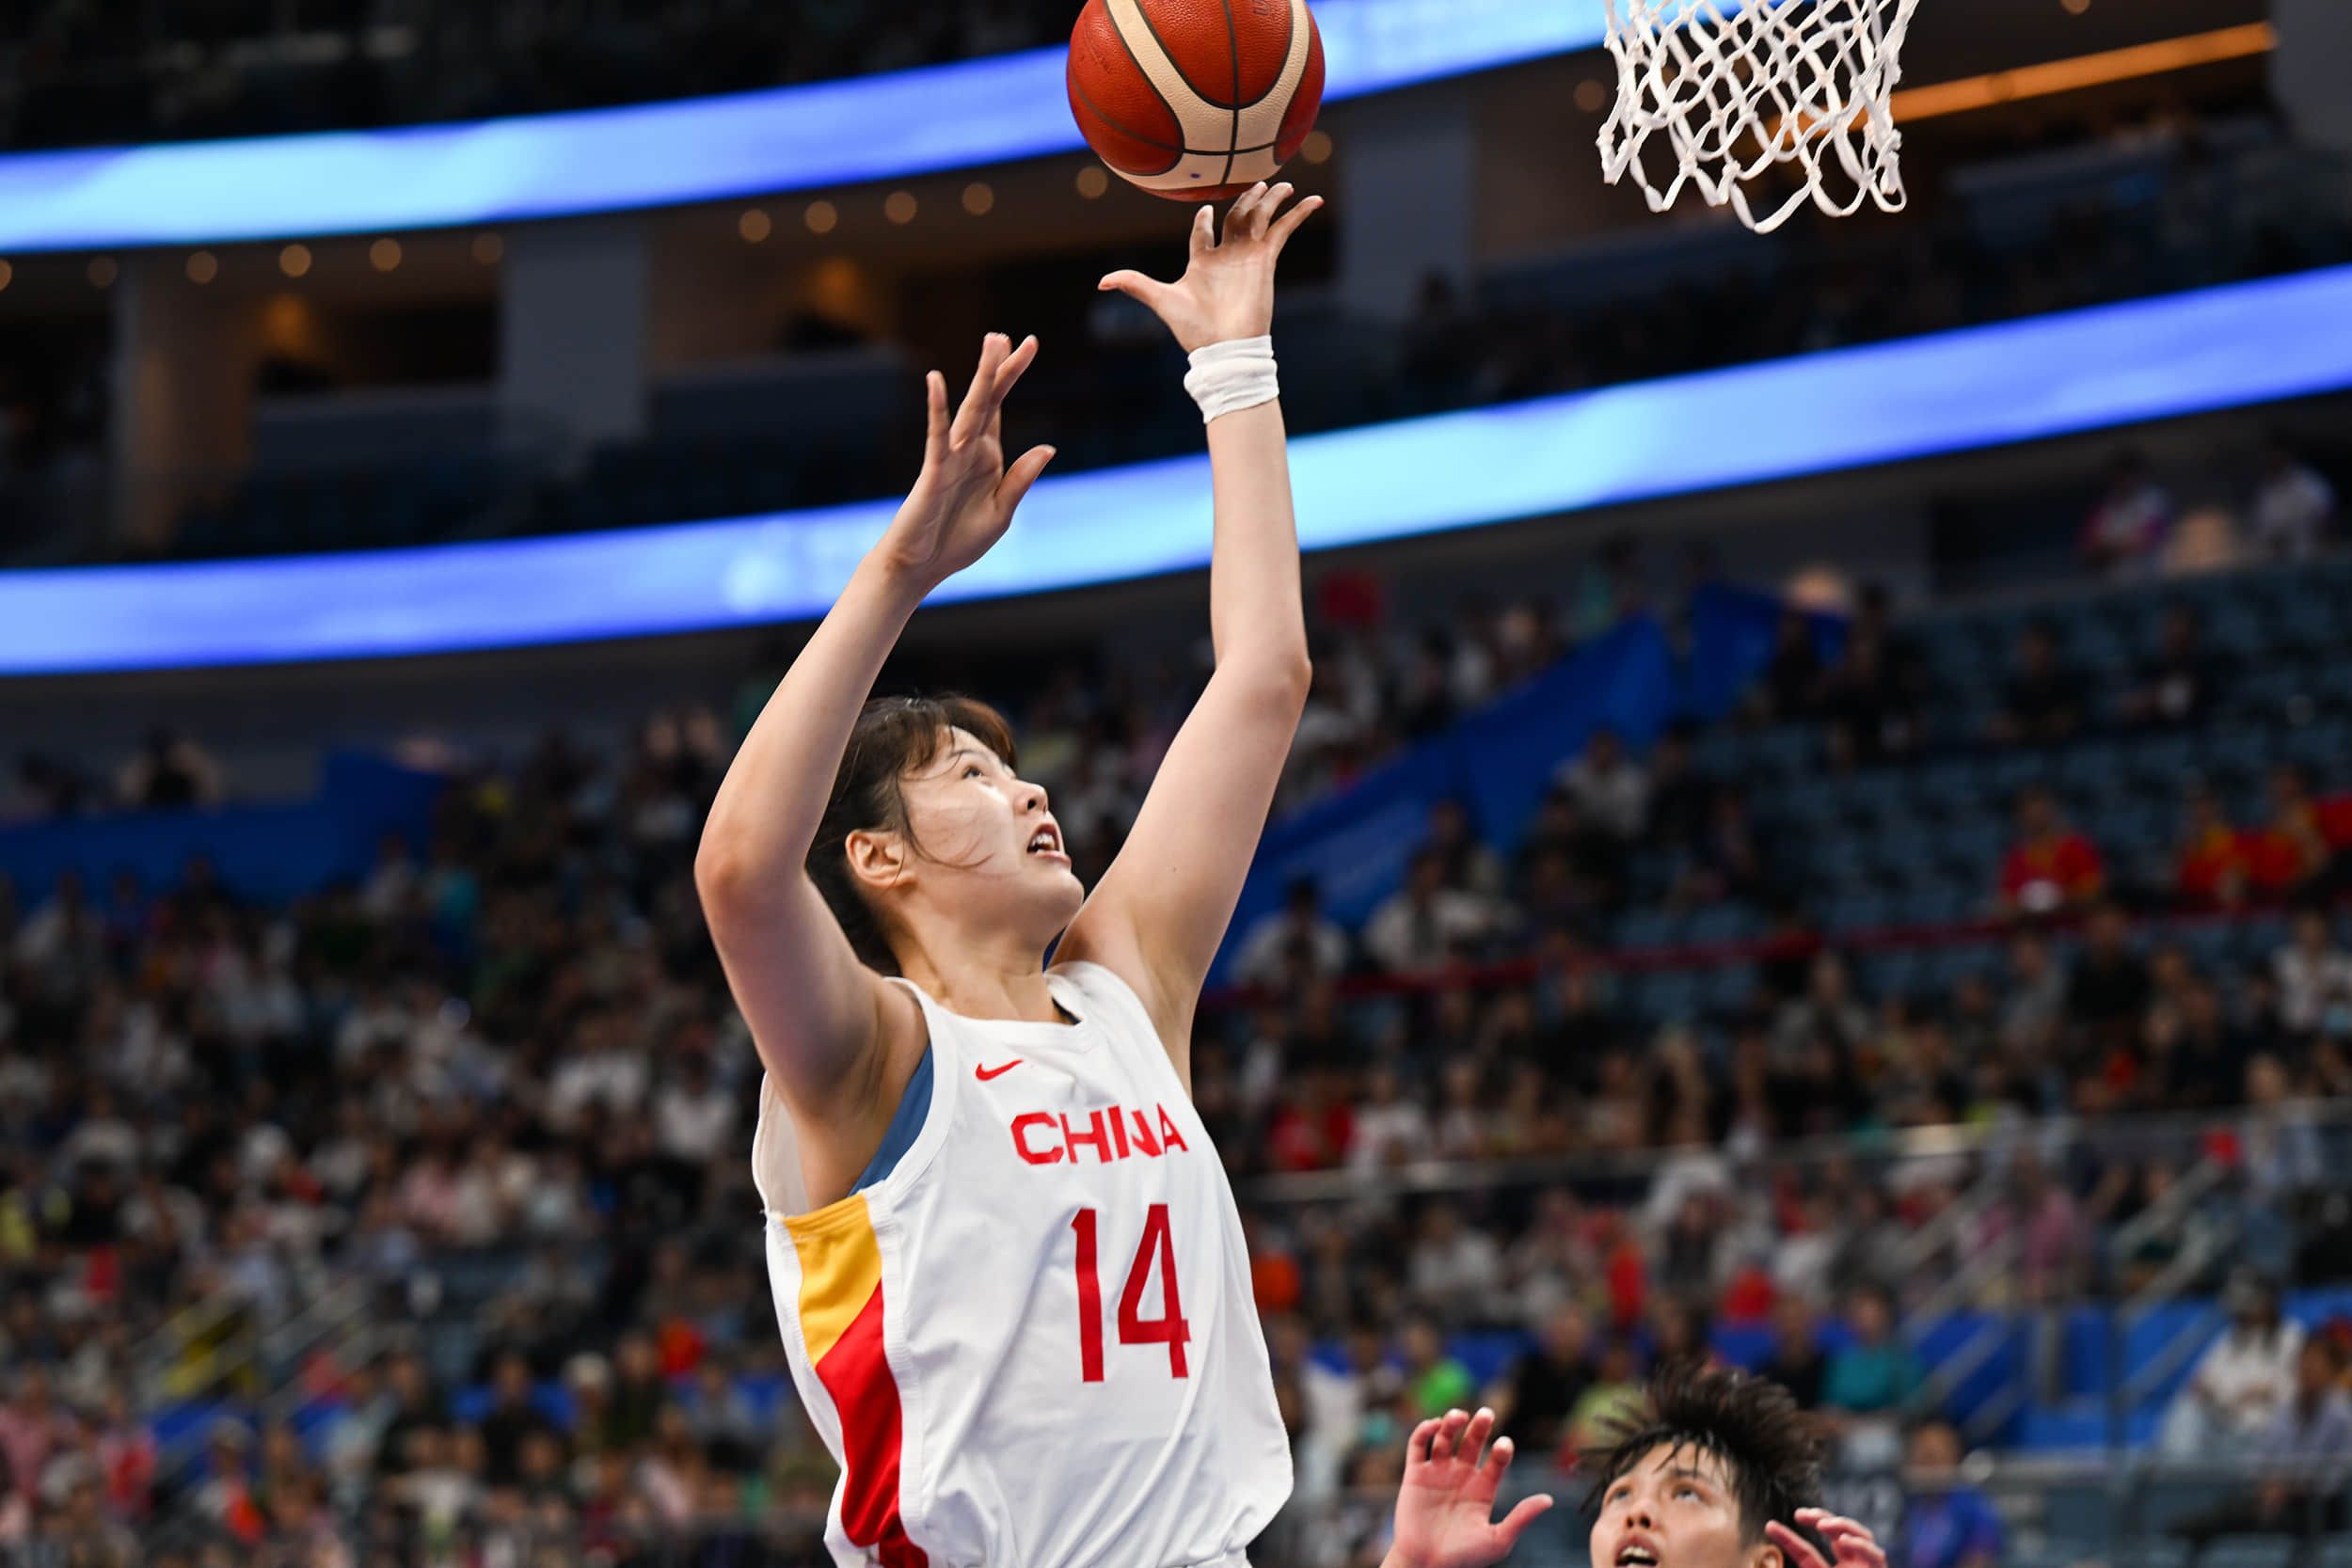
(998, 984)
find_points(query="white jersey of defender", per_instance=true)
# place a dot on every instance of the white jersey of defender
(1034, 1343)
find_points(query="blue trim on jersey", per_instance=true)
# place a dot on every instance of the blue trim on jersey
(914, 1109)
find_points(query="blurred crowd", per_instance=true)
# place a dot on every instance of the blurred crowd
(494, 1092)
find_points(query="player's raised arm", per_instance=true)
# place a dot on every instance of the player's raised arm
(1160, 911)
(813, 1009)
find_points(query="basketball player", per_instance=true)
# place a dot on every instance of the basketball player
(1717, 1470)
(1007, 1268)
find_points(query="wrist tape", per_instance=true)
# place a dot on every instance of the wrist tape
(1231, 376)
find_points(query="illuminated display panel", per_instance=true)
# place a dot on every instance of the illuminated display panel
(1986, 387)
(663, 154)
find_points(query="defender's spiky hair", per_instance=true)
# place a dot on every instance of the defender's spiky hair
(1770, 1449)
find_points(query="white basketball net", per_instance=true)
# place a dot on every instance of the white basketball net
(1737, 90)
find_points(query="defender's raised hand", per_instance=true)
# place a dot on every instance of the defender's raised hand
(1850, 1540)
(966, 497)
(1445, 1509)
(1227, 290)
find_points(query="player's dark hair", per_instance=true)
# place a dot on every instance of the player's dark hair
(1769, 1449)
(894, 736)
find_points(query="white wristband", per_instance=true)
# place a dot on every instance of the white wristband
(1231, 376)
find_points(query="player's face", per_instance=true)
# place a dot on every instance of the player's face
(1675, 1509)
(991, 848)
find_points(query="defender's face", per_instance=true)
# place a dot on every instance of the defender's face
(1675, 1509)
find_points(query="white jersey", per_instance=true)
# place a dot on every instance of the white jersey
(1033, 1343)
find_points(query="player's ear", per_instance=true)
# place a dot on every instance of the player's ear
(1765, 1555)
(877, 856)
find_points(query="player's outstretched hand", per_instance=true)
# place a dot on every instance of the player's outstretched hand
(1227, 290)
(1445, 1509)
(965, 498)
(1850, 1540)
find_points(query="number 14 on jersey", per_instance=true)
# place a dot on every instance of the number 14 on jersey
(1154, 1254)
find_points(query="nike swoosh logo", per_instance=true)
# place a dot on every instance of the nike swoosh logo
(989, 1074)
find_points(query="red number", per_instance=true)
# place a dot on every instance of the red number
(1090, 1301)
(1169, 1328)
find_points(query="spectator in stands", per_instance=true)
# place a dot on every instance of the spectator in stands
(1614, 1397)
(1609, 786)
(1434, 1380)
(2124, 535)
(1570, 869)
(1546, 1384)
(1876, 1373)
(1298, 939)
(1391, 1127)
(1680, 797)
(2294, 507)
(1731, 863)
(2210, 868)
(2176, 685)
(510, 1421)
(2109, 988)
(2314, 975)
(1791, 686)
(2053, 1249)
(2043, 703)
(2243, 1382)
(1828, 1013)
(171, 773)
(1796, 1362)
(1426, 925)
(1947, 1522)
(33, 1429)
(1470, 865)
(2303, 1456)
(2051, 868)
(2289, 853)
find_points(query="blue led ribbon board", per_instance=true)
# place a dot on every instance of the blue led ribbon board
(702, 149)
(1986, 387)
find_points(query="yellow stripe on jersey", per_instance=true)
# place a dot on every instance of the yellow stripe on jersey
(840, 1270)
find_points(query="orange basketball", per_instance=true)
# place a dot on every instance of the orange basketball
(1195, 99)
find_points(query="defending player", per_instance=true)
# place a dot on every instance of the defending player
(1716, 1472)
(1007, 1268)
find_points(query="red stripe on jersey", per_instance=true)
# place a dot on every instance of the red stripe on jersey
(857, 1375)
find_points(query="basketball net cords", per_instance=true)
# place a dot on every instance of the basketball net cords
(1796, 79)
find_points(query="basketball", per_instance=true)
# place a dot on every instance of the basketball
(1195, 99)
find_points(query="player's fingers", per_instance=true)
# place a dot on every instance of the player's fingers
(1144, 290)
(1449, 1437)
(975, 410)
(1015, 486)
(1204, 229)
(1269, 206)
(1499, 1459)
(1853, 1543)
(1515, 1522)
(1289, 222)
(1009, 376)
(1482, 1426)
(1795, 1548)
(1417, 1445)
(935, 402)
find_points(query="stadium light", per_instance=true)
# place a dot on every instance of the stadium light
(825, 134)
